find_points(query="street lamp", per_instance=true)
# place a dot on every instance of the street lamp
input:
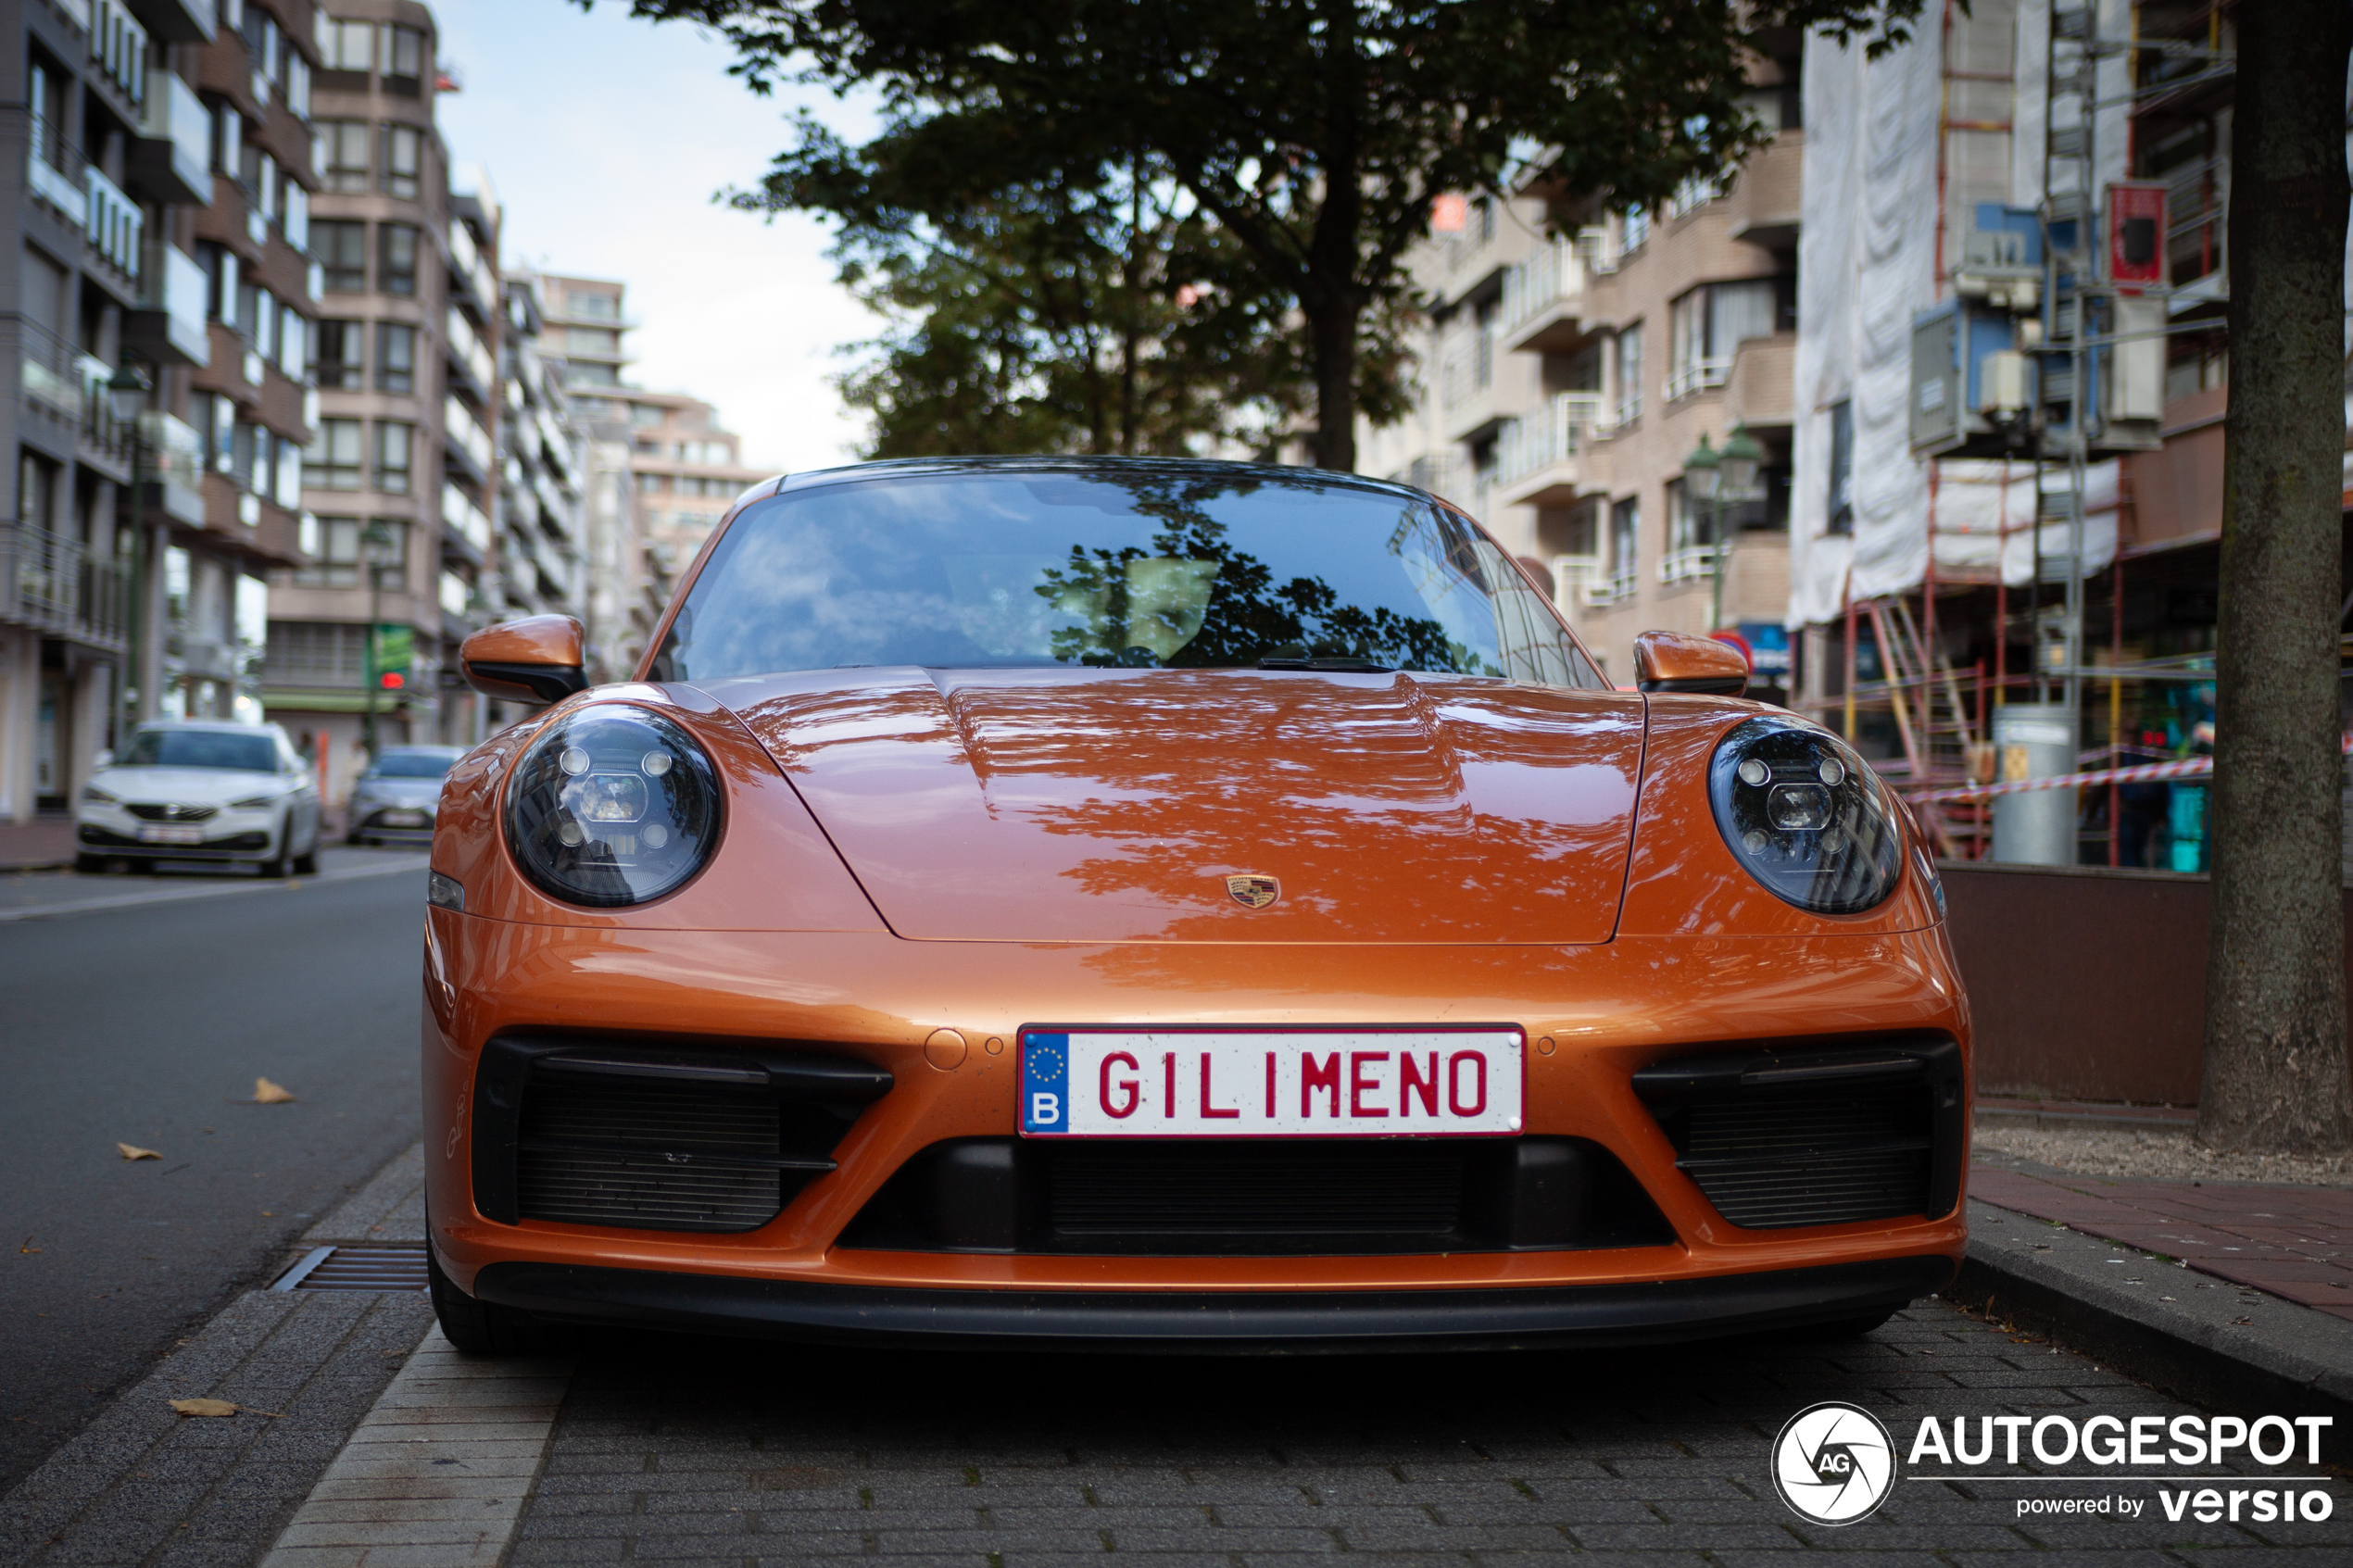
(126, 399)
(1717, 481)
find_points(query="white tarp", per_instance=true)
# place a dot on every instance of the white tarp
(1867, 262)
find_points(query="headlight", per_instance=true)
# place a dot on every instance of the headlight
(612, 805)
(97, 796)
(1805, 815)
(256, 803)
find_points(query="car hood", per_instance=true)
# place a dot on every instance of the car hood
(1093, 805)
(188, 786)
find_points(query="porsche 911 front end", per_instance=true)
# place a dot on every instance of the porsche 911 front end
(1071, 902)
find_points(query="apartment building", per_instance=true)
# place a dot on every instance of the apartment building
(403, 476)
(544, 460)
(160, 186)
(659, 470)
(1576, 356)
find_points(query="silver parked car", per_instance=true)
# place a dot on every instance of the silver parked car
(395, 799)
(193, 789)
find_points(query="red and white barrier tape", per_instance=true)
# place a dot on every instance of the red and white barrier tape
(2196, 768)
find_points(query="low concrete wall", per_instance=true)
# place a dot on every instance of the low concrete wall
(2085, 983)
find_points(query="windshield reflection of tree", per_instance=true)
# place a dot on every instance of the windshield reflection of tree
(1133, 616)
(1147, 790)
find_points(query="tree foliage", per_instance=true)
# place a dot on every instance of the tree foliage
(1315, 132)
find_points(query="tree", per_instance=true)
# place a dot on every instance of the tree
(1316, 133)
(2275, 1072)
(1044, 316)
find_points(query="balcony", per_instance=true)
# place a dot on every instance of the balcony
(173, 462)
(168, 325)
(464, 523)
(470, 270)
(1574, 580)
(1764, 203)
(1544, 300)
(1538, 460)
(69, 386)
(170, 155)
(54, 170)
(1761, 389)
(178, 21)
(469, 359)
(119, 49)
(54, 584)
(114, 224)
(1688, 564)
(465, 442)
(1696, 376)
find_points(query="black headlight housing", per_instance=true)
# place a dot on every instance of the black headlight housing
(612, 805)
(1805, 816)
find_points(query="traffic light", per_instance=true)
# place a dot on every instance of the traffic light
(391, 650)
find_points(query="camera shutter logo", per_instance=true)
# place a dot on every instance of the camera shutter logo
(1833, 1463)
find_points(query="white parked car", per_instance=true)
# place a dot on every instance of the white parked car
(192, 789)
(395, 799)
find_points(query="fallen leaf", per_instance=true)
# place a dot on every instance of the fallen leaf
(267, 1093)
(204, 1406)
(132, 1151)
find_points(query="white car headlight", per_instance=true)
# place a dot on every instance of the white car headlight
(97, 796)
(256, 803)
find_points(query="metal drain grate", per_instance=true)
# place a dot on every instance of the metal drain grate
(357, 1268)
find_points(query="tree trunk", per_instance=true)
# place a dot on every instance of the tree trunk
(2275, 1073)
(1331, 327)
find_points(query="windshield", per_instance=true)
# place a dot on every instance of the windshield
(411, 765)
(202, 749)
(1137, 565)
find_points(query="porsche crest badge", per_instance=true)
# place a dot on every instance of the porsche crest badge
(1253, 892)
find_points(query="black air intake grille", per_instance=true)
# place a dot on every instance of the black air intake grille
(665, 1158)
(1798, 1158)
(712, 1137)
(1161, 1191)
(1822, 1136)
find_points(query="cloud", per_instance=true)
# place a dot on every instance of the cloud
(606, 139)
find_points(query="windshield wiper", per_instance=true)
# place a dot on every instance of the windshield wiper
(1348, 666)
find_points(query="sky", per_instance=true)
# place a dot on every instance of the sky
(605, 139)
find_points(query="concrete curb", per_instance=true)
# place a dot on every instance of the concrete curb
(2228, 1347)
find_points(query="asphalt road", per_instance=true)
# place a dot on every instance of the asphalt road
(147, 1023)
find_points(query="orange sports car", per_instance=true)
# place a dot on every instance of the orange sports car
(1059, 902)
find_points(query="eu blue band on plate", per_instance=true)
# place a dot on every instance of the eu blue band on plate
(1045, 1083)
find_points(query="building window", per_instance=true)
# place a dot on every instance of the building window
(345, 46)
(1709, 324)
(593, 307)
(36, 491)
(1625, 545)
(652, 484)
(314, 654)
(337, 367)
(339, 151)
(592, 340)
(395, 441)
(1637, 231)
(1629, 374)
(404, 157)
(396, 257)
(404, 57)
(334, 456)
(645, 414)
(341, 247)
(1841, 497)
(395, 357)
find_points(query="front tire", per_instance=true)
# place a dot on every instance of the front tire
(86, 864)
(308, 864)
(478, 1328)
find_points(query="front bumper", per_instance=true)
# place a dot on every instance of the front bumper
(1652, 1313)
(1598, 1016)
(234, 842)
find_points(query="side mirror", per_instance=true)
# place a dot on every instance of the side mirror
(104, 759)
(535, 659)
(1677, 661)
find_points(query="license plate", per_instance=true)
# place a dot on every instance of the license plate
(404, 819)
(1216, 1083)
(160, 834)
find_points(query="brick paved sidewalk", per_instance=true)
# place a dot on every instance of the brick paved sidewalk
(703, 1451)
(2292, 1241)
